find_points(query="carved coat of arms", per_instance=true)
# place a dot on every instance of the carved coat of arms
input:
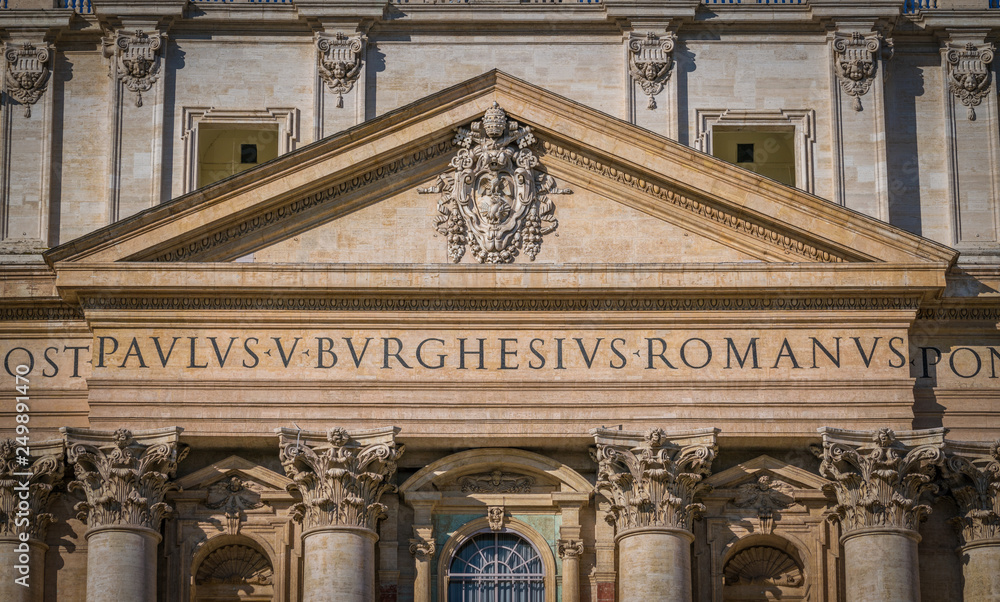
(497, 201)
(340, 62)
(969, 75)
(27, 74)
(137, 60)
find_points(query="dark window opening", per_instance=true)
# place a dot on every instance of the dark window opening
(744, 153)
(248, 153)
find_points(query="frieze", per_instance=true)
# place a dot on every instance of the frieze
(960, 313)
(194, 250)
(502, 303)
(40, 311)
(702, 208)
(496, 482)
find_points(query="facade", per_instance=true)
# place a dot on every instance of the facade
(340, 300)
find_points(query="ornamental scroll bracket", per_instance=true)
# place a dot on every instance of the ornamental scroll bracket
(969, 74)
(135, 59)
(651, 61)
(27, 73)
(339, 62)
(497, 200)
(856, 57)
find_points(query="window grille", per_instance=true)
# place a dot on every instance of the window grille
(496, 567)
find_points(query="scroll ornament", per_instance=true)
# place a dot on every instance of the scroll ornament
(969, 74)
(856, 61)
(879, 485)
(124, 481)
(422, 548)
(497, 201)
(341, 481)
(27, 73)
(340, 62)
(136, 60)
(650, 61)
(654, 484)
(974, 480)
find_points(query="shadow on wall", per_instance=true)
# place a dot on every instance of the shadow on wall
(903, 87)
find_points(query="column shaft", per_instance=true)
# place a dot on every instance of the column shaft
(422, 580)
(339, 565)
(121, 564)
(12, 553)
(571, 578)
(655, 564)
(982, 571)
(881, 566)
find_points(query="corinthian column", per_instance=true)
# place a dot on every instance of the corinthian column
(973, 473)
(341, 478)
(879, 478)
(651, 480)
(124, 476)
(26, 483)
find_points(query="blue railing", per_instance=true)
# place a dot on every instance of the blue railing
(754, 1)
(912, 6)
(80, 6)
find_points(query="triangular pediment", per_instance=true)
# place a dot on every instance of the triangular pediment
(748, 472)
(234, 466)
(324, 203)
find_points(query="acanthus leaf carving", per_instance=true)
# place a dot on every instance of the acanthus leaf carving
(856, 61)
(973, 475)
(136, 59)
(969, 74)
(880, 482)
(766, 495)
(341, 476)
(651, 480)
(496, 482)
(37, 474)
(123, 475)
(650, 62)
(497, 200)
(27, 73)
(340, 61)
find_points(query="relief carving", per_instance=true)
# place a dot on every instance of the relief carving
(650, 61)
(570, 548)
(124, 475)
(136, 59)
(422, 548)
(27, 73)
(766, 495)
(496, 516)
(856, 62)
(341, 476)
(235, 565)
(38, 474)
(496, 482)
(763, 565)
(340, 62)
(652, 480)
(233, 496)
(969, 74)
(497, 201)
(879, 482)
(973, 475)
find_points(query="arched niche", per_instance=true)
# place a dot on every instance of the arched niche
(472, 462)
(764, 567)
(512, 525)
(231, 568)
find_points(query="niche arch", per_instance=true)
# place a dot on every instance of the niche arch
(231, 568)
(764, 567)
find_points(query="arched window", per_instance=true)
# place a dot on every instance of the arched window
(496, 567)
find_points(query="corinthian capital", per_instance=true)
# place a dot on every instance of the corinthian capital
(879, 476)
(651, 478)
(123, 474)
(422, 548)
(26, 482)
(973, 474)
(340, 476)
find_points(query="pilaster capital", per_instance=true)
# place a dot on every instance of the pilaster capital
(856, 56)
(570, 548)
(651, 478)
(972, 471)
(341, 476)
(26, 484)
(880, 476)
(135, 58)
(969, 72)
(26, 72)
(123, 474)
(422, 549)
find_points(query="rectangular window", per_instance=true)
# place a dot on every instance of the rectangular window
(227, 149)
(769, 152)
